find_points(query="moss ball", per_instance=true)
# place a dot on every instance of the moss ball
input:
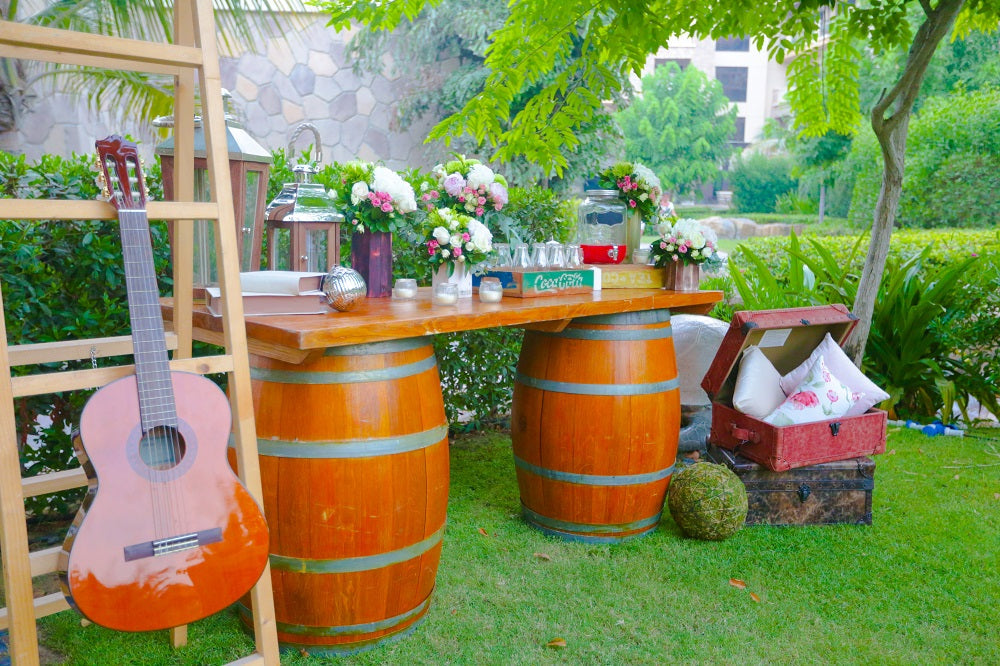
(708, 501)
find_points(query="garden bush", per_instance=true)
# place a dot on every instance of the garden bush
(937, 314)
(758, 180)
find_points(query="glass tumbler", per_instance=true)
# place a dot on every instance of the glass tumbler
(574, 256)
(501, 255)
(539, 255)
(557, 255)
(521, 258)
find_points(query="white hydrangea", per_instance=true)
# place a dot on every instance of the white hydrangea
(646, 175)
(480, 174)
(387, 180)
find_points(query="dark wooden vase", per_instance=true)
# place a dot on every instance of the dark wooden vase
(371, 256)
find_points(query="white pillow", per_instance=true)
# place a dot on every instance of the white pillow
(758, 384)
(820, 396)
(840, 365)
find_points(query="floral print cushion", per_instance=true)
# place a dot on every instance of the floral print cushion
(820, 396)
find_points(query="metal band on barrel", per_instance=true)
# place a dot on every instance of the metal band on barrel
(565, 526)
(365, 628)
(627, 318)
(577, 388)
(354, 377)
(386, 347)
(355, 564)
(352, 448)
(625, 334)
(594, 479)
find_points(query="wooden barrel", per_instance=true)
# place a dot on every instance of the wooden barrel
(354, 465)
(594, 423)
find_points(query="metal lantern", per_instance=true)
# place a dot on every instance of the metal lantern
(249, 166)
(308, 213)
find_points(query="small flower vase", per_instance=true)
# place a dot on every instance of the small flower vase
(683, 277)
(461, 276)
(371, 256)
(633, 233)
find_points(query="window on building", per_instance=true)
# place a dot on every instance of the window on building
(734, 82)
(732, 44)
(739, 134)
(681, 62)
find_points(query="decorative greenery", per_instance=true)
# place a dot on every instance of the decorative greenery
(637, 186)
(681, 127)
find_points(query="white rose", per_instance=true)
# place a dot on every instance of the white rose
(480, 236)
(480, 174)
(456, 241)
(359, 192)
(441, 235)
(460, 259)
(439, 172)
(445, 254)
(706, 252)
(470, 246)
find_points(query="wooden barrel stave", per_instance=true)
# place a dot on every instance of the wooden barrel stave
(593, 404)
(355, 493)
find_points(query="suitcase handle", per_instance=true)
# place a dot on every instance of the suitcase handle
(744, 435)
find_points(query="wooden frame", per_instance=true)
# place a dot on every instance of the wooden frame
(195, 51)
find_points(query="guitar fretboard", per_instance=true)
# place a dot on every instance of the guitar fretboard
(152, 366)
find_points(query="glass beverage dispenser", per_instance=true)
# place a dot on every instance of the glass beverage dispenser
(601, 228)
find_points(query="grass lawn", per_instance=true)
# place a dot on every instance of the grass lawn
(917, 586)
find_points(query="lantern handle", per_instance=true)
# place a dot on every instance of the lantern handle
(298, 131)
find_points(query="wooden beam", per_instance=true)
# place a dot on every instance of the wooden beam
(45, 209)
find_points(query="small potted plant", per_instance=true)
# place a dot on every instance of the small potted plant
(682, 247)
(455, 244)
(375, 201)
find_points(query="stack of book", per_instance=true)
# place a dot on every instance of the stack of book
(274, 293)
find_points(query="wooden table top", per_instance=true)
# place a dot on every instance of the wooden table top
(295, 338)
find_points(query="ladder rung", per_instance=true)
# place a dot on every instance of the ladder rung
(76, 350)
(44, 561)
(66, 47)
(47, 605)
(49, 209)
(78, 380)
(53, 482)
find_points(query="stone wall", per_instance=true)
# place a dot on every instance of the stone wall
(275, 87)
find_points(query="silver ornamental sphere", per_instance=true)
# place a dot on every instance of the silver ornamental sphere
(343, 288)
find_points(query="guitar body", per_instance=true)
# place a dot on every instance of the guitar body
(138, 503)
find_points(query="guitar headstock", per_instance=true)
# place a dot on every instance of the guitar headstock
(119, 173)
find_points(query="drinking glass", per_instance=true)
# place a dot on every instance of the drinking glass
(501, 256)
(557, 255)
(521, 258)
(574, 256)
(539, 256)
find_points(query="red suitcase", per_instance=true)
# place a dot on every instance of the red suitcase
(786, 337)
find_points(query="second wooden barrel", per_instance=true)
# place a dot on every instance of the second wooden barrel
(354, 466)
(594, 423)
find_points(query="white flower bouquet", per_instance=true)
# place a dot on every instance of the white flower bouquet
(467, 186)
(685, 241)
(455, 238)
(373, 197)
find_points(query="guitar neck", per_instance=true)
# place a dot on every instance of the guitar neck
(152, 366)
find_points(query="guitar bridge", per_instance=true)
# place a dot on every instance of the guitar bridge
(173, 544)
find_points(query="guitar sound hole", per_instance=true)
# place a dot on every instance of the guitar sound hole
(162, 448)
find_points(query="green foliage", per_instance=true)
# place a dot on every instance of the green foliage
(477, 376)
(933, 321)
(680, 127)
(62, 280)
(758, 180)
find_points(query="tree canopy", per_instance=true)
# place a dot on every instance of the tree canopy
(680, 126)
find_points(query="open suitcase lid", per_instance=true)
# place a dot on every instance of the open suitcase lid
(786, 337)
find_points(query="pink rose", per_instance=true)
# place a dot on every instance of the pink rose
(499, 194)
(805, 399)
(466, 237)
(480, 210)
(632, 203)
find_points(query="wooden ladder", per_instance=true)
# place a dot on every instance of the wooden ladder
(194, 52)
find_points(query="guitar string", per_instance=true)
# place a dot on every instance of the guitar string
(166, 451)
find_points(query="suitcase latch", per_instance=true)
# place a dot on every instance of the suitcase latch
(804, 492)
(835, 428)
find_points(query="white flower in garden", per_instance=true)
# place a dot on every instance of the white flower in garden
(359, 191)
(387, 180)
(480, 174)
(441, 235)
(481, 236)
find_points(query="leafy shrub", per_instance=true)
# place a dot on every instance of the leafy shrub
(758, 180)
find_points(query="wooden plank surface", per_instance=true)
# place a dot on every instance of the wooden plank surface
(78, 209)
(378, 319)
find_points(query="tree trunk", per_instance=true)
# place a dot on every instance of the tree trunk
(822, 197)
(891, 120)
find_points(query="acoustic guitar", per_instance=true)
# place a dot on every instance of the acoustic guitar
(166, 534)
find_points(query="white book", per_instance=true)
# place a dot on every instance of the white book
(281, 282)
(257, 303)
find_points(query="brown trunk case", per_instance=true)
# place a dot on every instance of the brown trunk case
(824, 494)
(786, 337)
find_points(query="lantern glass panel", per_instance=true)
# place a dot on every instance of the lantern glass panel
(205, 271)
(247, 232)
